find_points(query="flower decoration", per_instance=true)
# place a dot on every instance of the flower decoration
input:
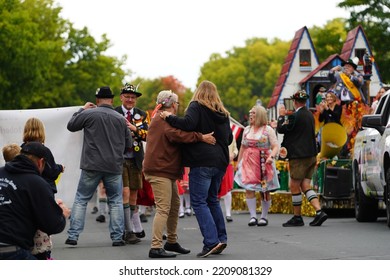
(301, 95)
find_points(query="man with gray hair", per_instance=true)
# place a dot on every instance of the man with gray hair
(162, 167)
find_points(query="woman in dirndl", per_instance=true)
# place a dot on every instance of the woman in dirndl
(256, 164)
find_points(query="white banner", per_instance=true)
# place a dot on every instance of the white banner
(65, 145)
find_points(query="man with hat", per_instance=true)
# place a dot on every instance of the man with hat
(300, 141)
(348, 82)
(106, 137)
(137, 122)
(27, 203)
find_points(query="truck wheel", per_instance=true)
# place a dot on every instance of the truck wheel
(366, 208)
(387, 196)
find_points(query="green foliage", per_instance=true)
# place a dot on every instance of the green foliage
(329, 39)
(246, 74)
(374, 17)
(45, 62)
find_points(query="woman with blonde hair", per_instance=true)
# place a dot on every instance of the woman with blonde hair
(34, 131)
(330, 111)
(256, 167)
(207, 163)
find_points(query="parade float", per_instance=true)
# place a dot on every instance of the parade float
(302, 70)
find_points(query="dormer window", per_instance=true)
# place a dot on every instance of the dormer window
(305, 60)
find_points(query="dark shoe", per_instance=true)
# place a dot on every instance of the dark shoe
(175, 247)
(131, 238)
(319, 219)
(143, 218)
(229, 219)
(262, 222)
(118, 243)
(94, 210)
(160, 253)
(295, 221)
(140, 234)
(207, 251)
(71, 242)
(220, 249)
(101, 219)
(165, 236)
(252, 222)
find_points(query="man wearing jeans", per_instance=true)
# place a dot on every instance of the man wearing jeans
(106, 137)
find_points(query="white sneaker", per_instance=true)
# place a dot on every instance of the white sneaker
(188, 212)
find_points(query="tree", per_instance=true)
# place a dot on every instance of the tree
(329, 39)
(246, 74)
(374, 17)
(45, 62)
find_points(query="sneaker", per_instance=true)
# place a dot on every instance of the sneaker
(220, 249)
(71, 242)
(181, 215)
(252, 222)
(140, 234)
(94, 210)
(143, 218)
(131, 238)
(118, 243)
(188, 212)
(319, 219)
(176, 247)
(207, 251)
(101, 219)
(295, 221)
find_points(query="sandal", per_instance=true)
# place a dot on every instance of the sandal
(252, 222)
(263, 222)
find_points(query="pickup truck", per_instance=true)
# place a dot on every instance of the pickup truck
(371, 164)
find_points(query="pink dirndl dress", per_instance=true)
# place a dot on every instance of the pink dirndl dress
(253, 173)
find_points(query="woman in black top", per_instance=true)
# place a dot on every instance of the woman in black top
(330, 111)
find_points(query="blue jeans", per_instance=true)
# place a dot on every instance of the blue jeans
(88, 183)
(20, 254)
(204, 186)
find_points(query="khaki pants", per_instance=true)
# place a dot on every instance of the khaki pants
(167, 202)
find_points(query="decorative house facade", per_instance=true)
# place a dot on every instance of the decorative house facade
(302, 70)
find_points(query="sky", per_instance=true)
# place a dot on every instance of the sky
(176, 37)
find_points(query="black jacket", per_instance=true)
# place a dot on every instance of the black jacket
(299, 134)
(26, 204)
(51, 172)
(201, 119)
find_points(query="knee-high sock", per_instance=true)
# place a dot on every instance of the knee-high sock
(136, 222)
(251, 202)
(187, 200)
(227, 200)
(265, 205)
(127, 211)
(181, 209)
(102, 206)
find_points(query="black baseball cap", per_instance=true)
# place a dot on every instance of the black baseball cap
(36, 149)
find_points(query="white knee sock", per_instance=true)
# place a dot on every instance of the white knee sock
(265, 205)
(181, 209)
(187, 200)
(227, 199)
(136, 222)
(251, 202)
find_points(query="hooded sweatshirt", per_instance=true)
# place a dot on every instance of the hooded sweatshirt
(26, 204)
(201, 119)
